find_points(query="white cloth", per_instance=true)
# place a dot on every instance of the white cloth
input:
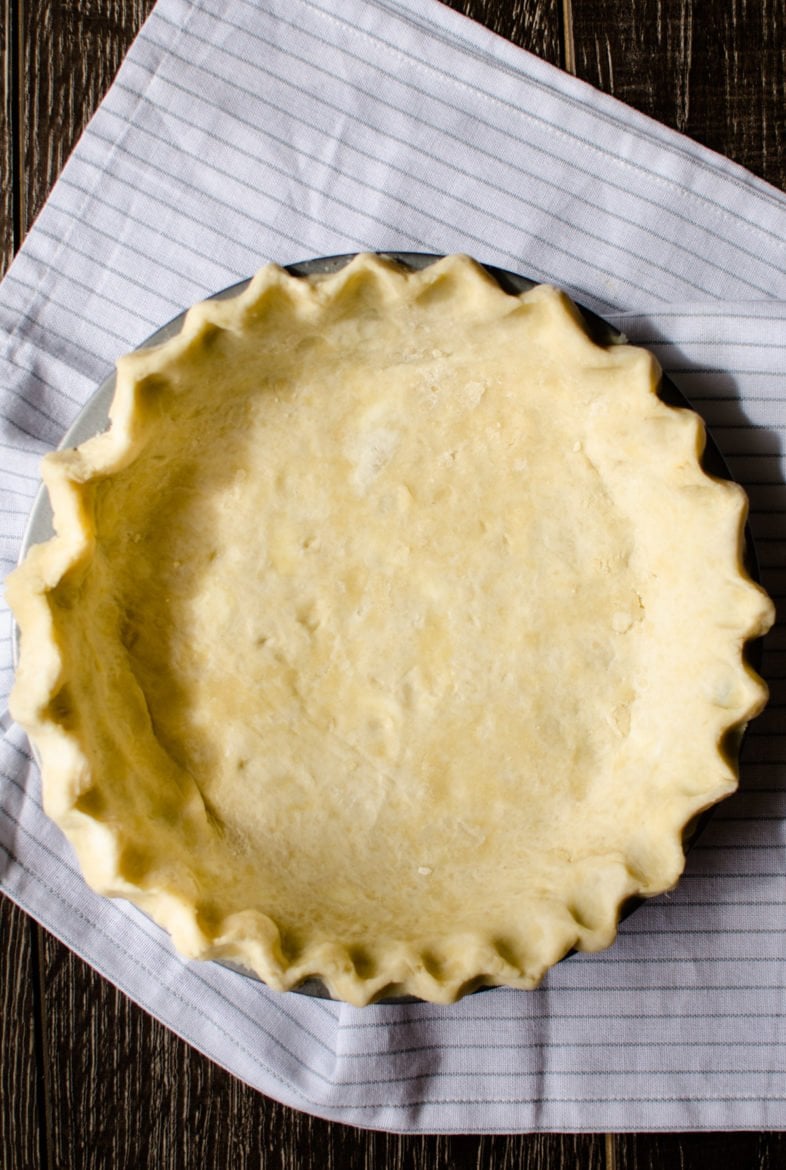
(245, 130)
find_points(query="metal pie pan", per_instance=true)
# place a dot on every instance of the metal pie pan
(93, 418)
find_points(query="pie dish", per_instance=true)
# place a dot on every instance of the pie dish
(392, 635)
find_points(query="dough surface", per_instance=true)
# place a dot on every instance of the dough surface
(392, 634)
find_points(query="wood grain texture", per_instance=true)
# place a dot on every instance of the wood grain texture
(123, 1091)
(71, 51)
(716, 72)
(691, 1151)
(20, 1094)
(8, 136)
(532, 24)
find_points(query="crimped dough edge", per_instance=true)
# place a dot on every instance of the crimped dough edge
(440, 966)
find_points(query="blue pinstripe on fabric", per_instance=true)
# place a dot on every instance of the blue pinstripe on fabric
(531, 176)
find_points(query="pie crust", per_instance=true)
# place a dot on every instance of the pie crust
(391, 635)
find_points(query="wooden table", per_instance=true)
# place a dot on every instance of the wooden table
(87, 1080)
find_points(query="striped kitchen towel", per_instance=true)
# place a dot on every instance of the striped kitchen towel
(245, 130)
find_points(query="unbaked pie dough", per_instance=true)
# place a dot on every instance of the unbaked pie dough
(392, 634)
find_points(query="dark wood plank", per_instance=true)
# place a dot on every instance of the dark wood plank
(71, 51)
(716, 72)
(691, 1151)
(532, 24)
(125, 1092)
(8, 137)
(20, 1096)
